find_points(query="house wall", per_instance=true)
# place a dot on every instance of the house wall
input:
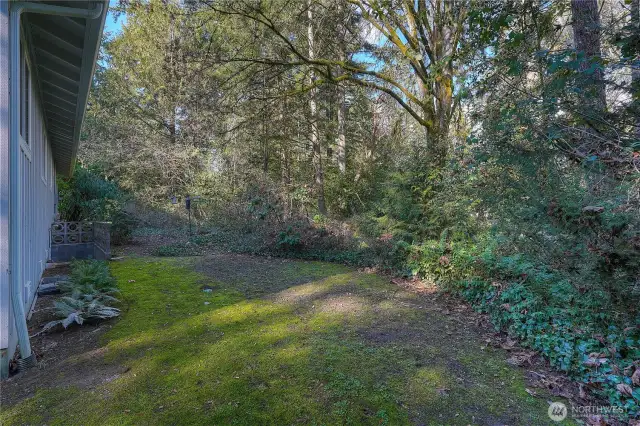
(39, 195)
(5, 302)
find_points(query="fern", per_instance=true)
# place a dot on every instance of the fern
(86, 295)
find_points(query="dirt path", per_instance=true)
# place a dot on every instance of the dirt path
(231, 339)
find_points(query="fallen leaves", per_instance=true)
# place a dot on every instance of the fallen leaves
(509, 344)
(386, 237)
(398, 281)
(595, 420)
(595, 360)
(624, 389)
(556, 385)
(416, 286)
(521, 358)
(593, 209)
(635, 377)
(583, 394)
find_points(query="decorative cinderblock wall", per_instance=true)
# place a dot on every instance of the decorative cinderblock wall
(80, 240)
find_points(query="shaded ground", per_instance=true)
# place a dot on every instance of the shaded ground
(230, 339)
(144, 241)
(65, 358)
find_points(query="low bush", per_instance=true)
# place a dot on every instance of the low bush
(89, 196)
(88, 276)
(87, 295)
(288, 239)
(80, 310)
(297, 239)
(576, 329)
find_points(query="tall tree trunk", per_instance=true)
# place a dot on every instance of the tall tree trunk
(586, 38)
(540, 62)
(265, 142)
(285, 171)
(342, 137)
(265, 130)
(285, 179)
(313, 118)
(635, 72)
(342, 101)
(174, 91)
(437, 94)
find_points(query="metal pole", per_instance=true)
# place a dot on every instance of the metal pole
(187, 205)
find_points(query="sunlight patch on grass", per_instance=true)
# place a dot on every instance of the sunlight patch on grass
(427, 384)
(300, 294)
(305, 354)
(343, 305)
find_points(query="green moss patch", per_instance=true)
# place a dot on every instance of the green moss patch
(237, 340)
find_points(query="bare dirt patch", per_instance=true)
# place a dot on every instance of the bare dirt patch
(72, 357)
(256, 276)
(59, 269)
(145, 245)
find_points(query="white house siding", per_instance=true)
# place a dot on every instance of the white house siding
(5, 301)
(39, 195)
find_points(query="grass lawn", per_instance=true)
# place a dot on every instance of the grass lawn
(280, 342)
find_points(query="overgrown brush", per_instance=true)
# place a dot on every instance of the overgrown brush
(87, 195)
(582, 330)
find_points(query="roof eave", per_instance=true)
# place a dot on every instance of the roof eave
(93, 38)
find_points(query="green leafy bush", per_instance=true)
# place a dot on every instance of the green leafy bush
(577, 330)
(80, 310)
(90, 275)
(88, 196)
(87, 295)
(288, 239)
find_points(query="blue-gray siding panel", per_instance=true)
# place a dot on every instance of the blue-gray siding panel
(38, 197)
(4, 189)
